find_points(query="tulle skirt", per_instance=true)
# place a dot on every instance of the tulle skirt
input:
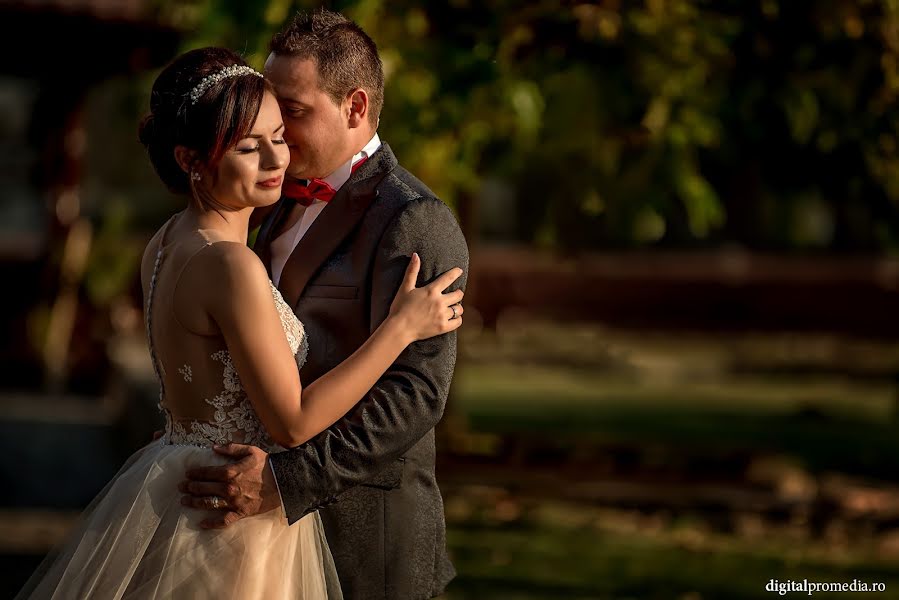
(136, 541)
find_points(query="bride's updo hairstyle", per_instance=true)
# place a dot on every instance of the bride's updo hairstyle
(206, 100)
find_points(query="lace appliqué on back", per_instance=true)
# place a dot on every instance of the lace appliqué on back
(234, 419)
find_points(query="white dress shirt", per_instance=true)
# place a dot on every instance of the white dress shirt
(282, 246)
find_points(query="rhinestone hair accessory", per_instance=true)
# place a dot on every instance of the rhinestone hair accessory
(213, 78)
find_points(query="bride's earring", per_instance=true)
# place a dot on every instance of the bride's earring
(194, 176)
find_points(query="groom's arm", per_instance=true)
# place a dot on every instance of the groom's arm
(409, 399)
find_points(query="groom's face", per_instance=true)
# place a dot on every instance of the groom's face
(316, 129)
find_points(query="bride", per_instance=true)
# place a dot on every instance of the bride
(225, 347)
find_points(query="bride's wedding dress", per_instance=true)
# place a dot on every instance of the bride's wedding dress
(136, 540)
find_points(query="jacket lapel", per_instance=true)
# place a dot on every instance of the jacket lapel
(334, 224)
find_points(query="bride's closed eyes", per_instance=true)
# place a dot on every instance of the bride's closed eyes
(279, 132)
(250, 150)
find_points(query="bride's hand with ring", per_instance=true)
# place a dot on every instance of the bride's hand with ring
(427, 311)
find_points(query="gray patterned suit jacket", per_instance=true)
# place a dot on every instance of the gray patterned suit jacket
(371, 475)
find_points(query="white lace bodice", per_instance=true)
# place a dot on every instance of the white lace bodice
(233, 418)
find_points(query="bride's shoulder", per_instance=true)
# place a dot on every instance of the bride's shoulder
(231, 264)
(230, 282)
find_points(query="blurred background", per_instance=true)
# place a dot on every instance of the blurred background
(679, 371)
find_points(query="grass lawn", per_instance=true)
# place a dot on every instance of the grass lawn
(553, 562)
(810, 401)
(825, 422)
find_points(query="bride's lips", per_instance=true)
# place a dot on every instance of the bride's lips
(270, 183)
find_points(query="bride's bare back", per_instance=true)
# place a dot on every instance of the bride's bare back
(200, 390)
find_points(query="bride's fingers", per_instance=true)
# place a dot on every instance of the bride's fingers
(454, 312)
(453, 297)
(411, 275)
(452, 324)
(445, 280)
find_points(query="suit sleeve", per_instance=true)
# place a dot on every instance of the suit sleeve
(409, 399)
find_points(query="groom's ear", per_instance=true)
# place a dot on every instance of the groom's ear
(357, 108)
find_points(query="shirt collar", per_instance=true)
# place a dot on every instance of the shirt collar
(343, 172)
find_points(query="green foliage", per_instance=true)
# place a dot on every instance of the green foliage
(666, 122)
(115, 259)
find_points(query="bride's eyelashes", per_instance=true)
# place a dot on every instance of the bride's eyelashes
(255, 148)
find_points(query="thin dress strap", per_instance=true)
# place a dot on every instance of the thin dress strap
(149, 319)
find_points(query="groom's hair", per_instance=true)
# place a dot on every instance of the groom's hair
(344, 54)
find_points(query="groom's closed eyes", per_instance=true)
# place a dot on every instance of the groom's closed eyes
(294, 109)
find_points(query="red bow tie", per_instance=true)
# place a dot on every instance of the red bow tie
(316, 189)
(307, 194)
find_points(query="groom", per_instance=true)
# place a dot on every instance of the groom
(338, 258)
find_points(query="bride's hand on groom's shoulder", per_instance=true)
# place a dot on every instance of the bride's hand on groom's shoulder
(424, 312)
(242, 488)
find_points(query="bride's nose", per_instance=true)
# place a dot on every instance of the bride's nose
(275, 156)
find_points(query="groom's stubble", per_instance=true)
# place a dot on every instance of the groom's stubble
(322, 134)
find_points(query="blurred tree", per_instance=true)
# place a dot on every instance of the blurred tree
(675, 123)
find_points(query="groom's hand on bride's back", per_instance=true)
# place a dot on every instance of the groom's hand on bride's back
(242, 488)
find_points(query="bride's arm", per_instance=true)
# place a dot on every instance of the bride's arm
(416, 314)
(240, 302)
